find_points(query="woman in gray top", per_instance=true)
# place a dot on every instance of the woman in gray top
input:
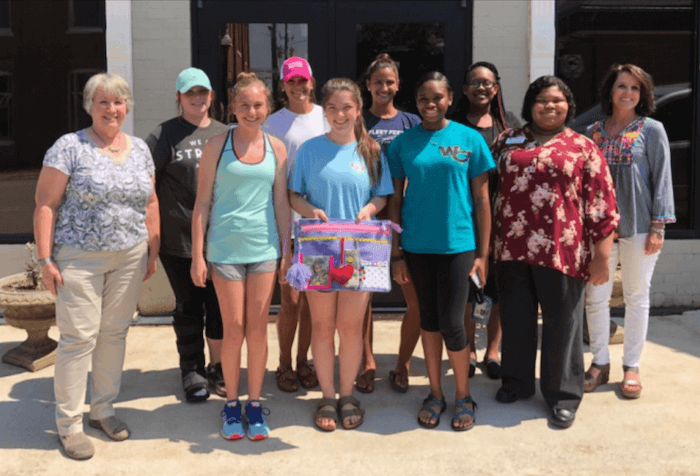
(177, 146)
(638, 153)
(98, 234)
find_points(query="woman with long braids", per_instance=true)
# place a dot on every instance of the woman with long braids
(481, 108)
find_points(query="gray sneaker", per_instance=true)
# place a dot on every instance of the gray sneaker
(77, 446)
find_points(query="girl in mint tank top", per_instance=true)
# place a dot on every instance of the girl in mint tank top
(242, 201)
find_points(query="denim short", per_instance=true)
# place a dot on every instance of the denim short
(238, 272)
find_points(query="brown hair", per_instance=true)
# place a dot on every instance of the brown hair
(212, 107)
(367, 147)
(647, 102)
(247, 80)
(382, 61)
(285, 99)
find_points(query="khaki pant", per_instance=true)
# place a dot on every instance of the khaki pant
(94, 308)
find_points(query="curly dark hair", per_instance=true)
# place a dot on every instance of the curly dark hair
(647, 102)
(540, 84)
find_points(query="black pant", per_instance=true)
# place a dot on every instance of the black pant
(442, 287)
(192, 304)
(521, 287)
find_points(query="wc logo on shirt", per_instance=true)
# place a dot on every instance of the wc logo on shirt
(456, 153)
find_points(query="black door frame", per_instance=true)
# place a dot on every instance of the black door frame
(328, 21)
(332, 29)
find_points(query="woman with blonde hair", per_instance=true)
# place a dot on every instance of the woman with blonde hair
(242, 180)
(97, 232)
(342, 174)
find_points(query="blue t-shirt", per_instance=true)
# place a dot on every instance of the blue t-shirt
(386, 130)
(437, 209)
(334, 177)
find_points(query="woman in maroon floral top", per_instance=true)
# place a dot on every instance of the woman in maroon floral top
(554, 215)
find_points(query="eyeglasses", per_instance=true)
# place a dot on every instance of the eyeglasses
(486, 84)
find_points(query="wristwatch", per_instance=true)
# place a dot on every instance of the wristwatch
(45, 261)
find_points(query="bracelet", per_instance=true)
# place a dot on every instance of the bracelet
(397, 258)
(660, 231)
(45, 261)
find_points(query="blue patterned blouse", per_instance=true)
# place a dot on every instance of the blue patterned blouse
(640, 163)
(104, 205)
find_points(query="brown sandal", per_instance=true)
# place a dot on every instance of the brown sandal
(590, 383)
(365, 382)
(399, 380)
(306, 375)
(354, 410)
(285, 378)
(321, 413)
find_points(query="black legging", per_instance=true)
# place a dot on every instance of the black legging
(442, 287)
(192, 304)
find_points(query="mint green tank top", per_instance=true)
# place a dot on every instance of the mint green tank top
(242, 226)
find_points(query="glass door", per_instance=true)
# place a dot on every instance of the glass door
(235, 36)
(422, 36)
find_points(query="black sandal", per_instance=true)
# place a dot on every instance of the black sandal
(330, 414)
(193, 383)
(354, 410)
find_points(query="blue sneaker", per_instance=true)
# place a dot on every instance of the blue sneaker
(255, 417)
(232, 428)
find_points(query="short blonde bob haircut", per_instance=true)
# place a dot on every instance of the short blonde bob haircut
(111, 83)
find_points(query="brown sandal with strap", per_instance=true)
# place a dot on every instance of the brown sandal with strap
(286, 379)
(399, 380)
(306, 375)
(590, 383)
(330, 414)
(354, 410)
(365, 382)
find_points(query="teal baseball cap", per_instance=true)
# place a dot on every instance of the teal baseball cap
(190, 78)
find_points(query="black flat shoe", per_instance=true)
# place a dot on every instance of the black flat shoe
(493, 368)
(562, 417)
(506, 395)
(472, 367)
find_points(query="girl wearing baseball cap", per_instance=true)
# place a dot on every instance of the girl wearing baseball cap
(176, 146)
(300, 120)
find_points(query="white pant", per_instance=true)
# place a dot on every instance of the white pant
(637, 269)
(94, 308)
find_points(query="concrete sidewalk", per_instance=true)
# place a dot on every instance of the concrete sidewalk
(658, 434)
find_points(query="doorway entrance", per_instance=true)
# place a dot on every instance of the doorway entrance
(339, 39)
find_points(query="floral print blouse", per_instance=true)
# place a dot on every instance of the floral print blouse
(553, 201)
(104, 205)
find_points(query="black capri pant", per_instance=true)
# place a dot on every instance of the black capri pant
(442, 287)
(192, 304)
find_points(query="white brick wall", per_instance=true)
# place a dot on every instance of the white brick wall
(676, 280)
(509, 52)
(161, 49)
